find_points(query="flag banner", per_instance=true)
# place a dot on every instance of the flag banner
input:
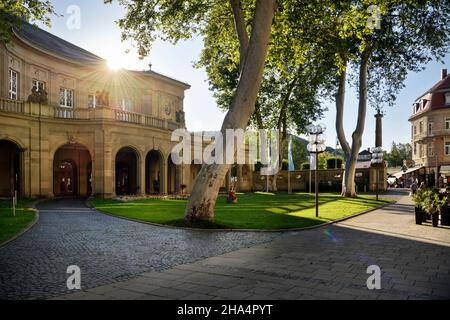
(312, 161)
(290, 160)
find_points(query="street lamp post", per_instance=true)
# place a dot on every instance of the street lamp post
(377, 161)
(316, 146)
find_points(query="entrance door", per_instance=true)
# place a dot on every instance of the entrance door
(66, 178)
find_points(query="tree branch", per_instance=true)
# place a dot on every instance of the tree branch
(241, 30)
(340, 103)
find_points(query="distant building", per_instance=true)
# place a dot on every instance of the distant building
(430, 132)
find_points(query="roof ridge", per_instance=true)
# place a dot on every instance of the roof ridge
(50, 42)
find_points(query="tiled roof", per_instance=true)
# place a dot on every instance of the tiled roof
(44, 40)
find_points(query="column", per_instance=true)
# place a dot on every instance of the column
(141, 174)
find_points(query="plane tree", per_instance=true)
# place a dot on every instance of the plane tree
(14, 12)
(377, 59)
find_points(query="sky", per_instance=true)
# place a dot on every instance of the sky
(98, 33)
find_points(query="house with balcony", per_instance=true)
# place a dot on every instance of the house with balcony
(430, 133)
(70, 126)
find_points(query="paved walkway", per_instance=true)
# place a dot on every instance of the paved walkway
(325, 263)
(107, 250)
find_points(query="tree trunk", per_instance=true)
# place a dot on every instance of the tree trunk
(282, 128)
(351, 154)
(200, 206)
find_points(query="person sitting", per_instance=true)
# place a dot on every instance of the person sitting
(232, 198)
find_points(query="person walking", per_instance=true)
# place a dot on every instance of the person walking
(414, 187)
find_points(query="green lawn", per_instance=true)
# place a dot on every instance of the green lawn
(10, 225)
(253, 211)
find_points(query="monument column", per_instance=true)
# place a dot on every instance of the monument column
(379, 129)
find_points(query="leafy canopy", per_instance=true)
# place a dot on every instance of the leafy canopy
(13, 12)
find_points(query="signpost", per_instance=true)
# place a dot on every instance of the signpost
(377, 161)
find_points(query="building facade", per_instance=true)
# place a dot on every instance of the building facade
(71, 126)
(430, 132)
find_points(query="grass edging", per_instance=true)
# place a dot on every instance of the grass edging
(28, 227)
(89, 205)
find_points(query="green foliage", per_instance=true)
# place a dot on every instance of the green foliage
(430, 200)
(11, 225)
(13, 12)
(311, 42)
(398, 153)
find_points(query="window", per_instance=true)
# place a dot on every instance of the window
(415, 129)
(126, 105)
(447, 98)
(92, 101)
(416, 107)
(423, 104)
(421, 127)
(420, 151)
(447, 148)
(430, 128)
(415, 148)
(39, 85)
(430, 150)
(13, 85)
(447, 124)
(66, 98)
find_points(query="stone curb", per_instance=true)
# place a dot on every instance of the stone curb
(30, 225)
(241, 230)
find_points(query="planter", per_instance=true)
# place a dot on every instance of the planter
(435, 219)
(419, 215)
(445, 216)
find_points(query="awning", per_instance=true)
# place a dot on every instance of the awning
(398, 175)
(445, 169)
(410, 170)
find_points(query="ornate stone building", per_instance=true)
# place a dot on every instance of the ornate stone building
(71, 126)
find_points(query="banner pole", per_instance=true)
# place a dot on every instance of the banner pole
(289, 182)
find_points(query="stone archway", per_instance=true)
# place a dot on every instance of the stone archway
(154, 167)
(126, 172)
(72, 171)
(172, 176)
(10, 168)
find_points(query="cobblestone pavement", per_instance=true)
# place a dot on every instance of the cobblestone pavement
(325, 263)
(107, 250)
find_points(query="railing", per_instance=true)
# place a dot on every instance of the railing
(126, 116)
(100, 113)
(436, 131)
(153, 122)
(64, 113)
(14, 106)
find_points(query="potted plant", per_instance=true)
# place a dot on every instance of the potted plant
(433, 203)
(418, 200)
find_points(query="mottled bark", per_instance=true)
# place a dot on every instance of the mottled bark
(201, 204)
(351, 154)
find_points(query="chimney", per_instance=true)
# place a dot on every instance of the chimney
(443, 74)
